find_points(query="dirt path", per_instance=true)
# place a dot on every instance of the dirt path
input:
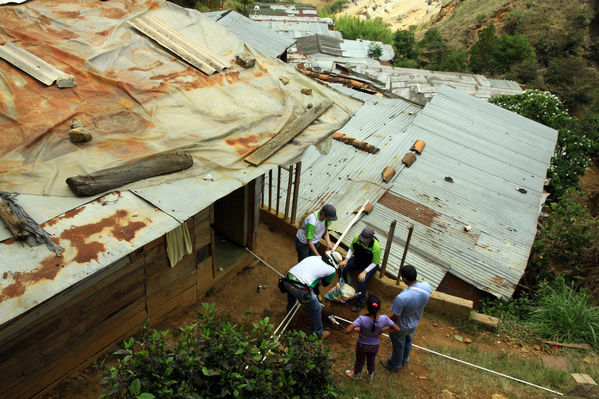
(240, 295)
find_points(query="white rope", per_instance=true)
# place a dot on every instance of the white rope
(263, 261)
(470, 364)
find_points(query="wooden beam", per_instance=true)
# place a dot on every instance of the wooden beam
(287, 133)
(107, 179)
(573, 346)
(14, 223)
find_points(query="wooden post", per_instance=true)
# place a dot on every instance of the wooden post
(263, 180)
(278, 189)
(270, 190)
(405, 251)
(289, 182)
(388, 247)
(298, 169)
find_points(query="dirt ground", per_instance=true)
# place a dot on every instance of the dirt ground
(240, 295)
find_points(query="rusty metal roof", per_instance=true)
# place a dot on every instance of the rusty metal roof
(477, 156)
(138, 99)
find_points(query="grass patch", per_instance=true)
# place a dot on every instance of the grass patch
(471, 382)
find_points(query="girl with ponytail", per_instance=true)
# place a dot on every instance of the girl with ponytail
(369, 328)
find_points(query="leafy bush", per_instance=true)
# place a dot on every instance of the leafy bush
(567, 236)
(214, 358)
(404, 43)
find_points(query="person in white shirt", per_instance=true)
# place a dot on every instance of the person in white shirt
(314, 227)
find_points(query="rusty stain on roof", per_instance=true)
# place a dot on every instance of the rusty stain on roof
(244, 145)
(413, 210)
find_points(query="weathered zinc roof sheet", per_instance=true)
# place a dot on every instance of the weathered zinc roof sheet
(257, 35)
(477, 157)
(420, 85)
(325, 46)
(296, 27)
(138, 99)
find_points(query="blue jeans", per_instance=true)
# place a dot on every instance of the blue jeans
(402, 344)
(303, 250)
(313, 306)
(353, 265)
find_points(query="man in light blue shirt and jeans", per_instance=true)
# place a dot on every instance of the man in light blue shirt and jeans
(407, 310)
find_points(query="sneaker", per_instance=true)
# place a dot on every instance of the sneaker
(356, 308)
(370, 376)
(350, 374)
(324, 334)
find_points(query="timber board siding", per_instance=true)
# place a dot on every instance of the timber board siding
(69, 331)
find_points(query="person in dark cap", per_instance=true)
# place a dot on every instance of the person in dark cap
(314, 227)
(364, 255)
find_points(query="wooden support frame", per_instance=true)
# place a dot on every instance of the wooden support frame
(388, 247)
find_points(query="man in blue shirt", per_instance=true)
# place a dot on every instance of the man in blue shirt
(407, 310)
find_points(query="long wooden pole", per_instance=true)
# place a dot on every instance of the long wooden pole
(270, 190)
(388, 247)
(354, 220)
(278, 189)
(296, 183)
(405, 251)
(289, 183)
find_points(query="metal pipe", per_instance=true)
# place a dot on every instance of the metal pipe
(405, 251)
(388, 247)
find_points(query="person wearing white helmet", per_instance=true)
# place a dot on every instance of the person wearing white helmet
(303, 278)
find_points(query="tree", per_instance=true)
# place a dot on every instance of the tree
(375, 51)
(404, 43)
(432, 50)
(483, 52)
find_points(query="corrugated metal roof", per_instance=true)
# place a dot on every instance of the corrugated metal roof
(260, 37)
(420, 85)
(476, 157)
(296, 27)
(324, 46)
(137, 96)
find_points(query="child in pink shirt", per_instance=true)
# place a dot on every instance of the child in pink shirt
(369, 328)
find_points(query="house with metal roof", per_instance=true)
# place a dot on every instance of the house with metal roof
(473, 195)
(256, 35)
(420, 85)
(325, 51)
(137, 81)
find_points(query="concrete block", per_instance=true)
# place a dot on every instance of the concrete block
(583, 379)
(444, 303)
(489, 322)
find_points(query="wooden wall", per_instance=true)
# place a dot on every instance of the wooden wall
(69, 331)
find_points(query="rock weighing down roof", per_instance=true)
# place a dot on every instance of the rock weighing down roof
(474, 194)
(137, 99)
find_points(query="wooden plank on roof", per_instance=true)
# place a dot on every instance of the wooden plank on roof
(35, 66)
(288, 133)
(178, 44)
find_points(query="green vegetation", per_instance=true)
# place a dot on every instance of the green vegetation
(556, 311)
(367, 29)
(216, 358)
(375, 51)
(468, 382)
